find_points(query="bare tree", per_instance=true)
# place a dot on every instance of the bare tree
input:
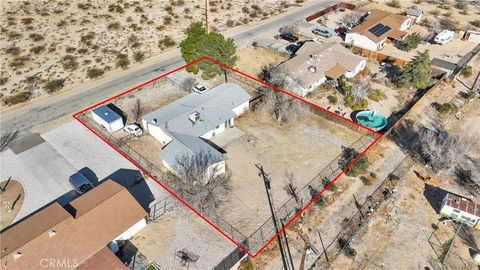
(7, 138)
(188, 83)
(290, 186)
(200, 183)
(360, 89)
(137, 111)
(351, 19)
(284, 108)
(289, 29)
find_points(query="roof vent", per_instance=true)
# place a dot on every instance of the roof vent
(17, 255)
(154, 120)
(51, 233)
(312, 69)
(106, 113)
(194, 117)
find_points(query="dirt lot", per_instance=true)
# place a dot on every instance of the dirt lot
(310, 142)
(252, 60)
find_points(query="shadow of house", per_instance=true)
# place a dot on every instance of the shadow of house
(434, 196)
(118, 111)
(135, 183)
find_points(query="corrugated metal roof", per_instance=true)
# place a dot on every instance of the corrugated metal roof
(107, 114)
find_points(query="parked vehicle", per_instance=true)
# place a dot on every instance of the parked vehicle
(198, 88)
(80, 183)
(289, 37)
(133, 129)
(444, 37)
(341, 30)
(292, 48)
(322, 32)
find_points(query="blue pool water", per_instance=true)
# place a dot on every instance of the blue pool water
(371, 120)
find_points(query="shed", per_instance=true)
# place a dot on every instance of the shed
(460, 209)
(415, 14)
(444, 65)
(107, 118)
(472, 36)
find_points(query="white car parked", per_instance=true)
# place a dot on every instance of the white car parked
(198, 88)
(133, 129)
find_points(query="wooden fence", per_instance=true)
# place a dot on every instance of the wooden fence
(330, 9)
(377, 56)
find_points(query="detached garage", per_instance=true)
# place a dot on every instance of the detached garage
(107, 118)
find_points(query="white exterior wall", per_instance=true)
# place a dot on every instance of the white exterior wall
(209, 135)
(111, 127)
(132, 230)
(406, 24)
(314, 86)
(449, 211)
(158, 134)
(242, 108)
(363, 42)
(474, 37)
(357, 69)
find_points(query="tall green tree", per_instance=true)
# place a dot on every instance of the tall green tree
(411, 41)
(416, 73)
(199, 43)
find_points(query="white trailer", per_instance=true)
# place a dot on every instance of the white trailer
(444, 37)
(107, 118)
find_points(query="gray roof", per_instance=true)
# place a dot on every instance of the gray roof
(414, 12)
(215, 106)
(107, 114)
(443, 64)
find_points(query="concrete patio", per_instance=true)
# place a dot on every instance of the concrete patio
(228, 136)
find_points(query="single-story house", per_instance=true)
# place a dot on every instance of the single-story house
(185, 126)
(414, 14)
(378, 29)
(472, 36)
(443, 65)
(315, 62)
(107, 118)
(460, 209)
(75, 236)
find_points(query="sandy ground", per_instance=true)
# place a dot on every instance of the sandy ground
(178, 230)
(115, 27)
(252, 60)
(12, 194)
(310, 142)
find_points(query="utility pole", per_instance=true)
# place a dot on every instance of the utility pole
(206, 16)
(266, 181)
(323, 246)
(288, 247)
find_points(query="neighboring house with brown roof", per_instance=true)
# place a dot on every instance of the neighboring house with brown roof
(75, 236)
(315, 62)
(379, 27)
(461, 210)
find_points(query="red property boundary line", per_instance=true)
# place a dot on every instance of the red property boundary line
(205, 58)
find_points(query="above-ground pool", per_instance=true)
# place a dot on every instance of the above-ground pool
(371, 120)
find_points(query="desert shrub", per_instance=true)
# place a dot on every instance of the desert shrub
(84, 6)
(27, 21)
(444, 108)
(434, 226)
(122, 60)
(167, 20)
(94, 72)
(466, 71)
(114, 26)
(83, 50)
(166, 42)
(394, 4)
(19, 61)
(138, 56)
(14, 35)
(333, 99)
(3, 80)
(36, 37)
(13, 50)
(115, 8)
(160, 27)
(373, 175)
(138, 9)
(461, 4)
(17, 98)
(475, 23)
(69, 62)
(37, 49)
(348, 101)
(320, 201)
(348, 155)
(246, 264)
(54, 85)
(87, 39)
(230, 23)
(377, 95)
(360, 104)
(448, 23)
(367, 181)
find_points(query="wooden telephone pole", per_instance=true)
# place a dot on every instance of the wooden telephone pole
(266, 181)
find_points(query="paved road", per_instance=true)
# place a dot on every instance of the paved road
(44, 111)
